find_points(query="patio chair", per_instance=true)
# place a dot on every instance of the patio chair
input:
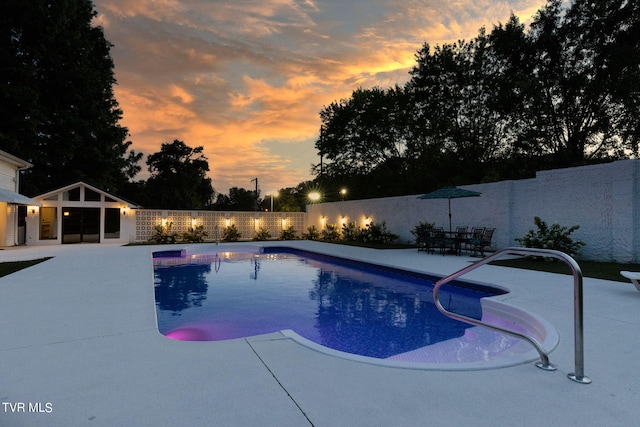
(429, 239)
(462, 237)
(634, 276)
(474, 238)
(483, 242)
(424, 240)
(434, 239)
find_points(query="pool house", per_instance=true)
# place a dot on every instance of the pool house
(78, 213)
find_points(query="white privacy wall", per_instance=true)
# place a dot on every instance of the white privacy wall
(603, 199)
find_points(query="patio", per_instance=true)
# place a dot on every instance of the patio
(78, 333)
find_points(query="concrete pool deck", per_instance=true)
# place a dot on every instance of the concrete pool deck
(79, 346)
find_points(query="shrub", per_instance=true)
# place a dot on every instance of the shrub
(555, 237)
(195, 235)
(421, 231)
(164, 234)
(231, 234)
(377, 233)
(288, 233)
(350, 232)
(262, 234)
(330, 233)
(311, 234)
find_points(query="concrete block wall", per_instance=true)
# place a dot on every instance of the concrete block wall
(603, 199)
(214, 222)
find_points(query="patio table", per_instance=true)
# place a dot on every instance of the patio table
(458, 238)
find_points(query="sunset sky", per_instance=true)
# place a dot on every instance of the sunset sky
(246, 79)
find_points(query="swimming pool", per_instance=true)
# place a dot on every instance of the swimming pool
(323, 302)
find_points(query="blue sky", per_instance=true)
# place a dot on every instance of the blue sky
(246, 79)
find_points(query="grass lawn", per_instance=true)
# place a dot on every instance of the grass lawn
(13, 266)
(597, 270)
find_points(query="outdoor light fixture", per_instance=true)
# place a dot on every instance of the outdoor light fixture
(284, 223)
(227, 222)
(194, 222)
(343, 193)
(314, 196)
(32, 210)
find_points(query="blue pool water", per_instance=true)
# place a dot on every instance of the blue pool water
(344, 305)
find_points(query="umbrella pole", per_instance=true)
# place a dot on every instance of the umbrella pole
(450, 215)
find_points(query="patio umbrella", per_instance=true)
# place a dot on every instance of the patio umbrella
(450, 193)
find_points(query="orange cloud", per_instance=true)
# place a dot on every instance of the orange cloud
(246, 80)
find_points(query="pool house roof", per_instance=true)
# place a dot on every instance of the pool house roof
(104, 196)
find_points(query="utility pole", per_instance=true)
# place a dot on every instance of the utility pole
(256, 204)
(321, 147)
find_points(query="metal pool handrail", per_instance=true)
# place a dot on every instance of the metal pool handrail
(544, 363)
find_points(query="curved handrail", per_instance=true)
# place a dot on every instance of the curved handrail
(544, 363)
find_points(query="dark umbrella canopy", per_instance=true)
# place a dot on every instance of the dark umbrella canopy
(450, 193)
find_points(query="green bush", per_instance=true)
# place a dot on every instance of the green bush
(262, 234)
(555, 237)
(288, 233)
(350, 232)
(311, 234)
(230, 234)
(377, 233)
(195, 235)
(330, 233)
(421, 231)
(164, 234)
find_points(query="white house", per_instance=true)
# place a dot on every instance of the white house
(78, 213)
(12, 204)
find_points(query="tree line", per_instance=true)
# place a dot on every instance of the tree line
(57, 107)
(564, 92)
(58, 112)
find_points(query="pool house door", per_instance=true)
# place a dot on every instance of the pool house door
(80, 225)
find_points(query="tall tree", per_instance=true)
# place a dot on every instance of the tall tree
(58, 110)
(363, 136)
(178, 178)
(453, 88)
(587, 76)
(358, 132)
(238, 199)
(502, 105)
(286, 201)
